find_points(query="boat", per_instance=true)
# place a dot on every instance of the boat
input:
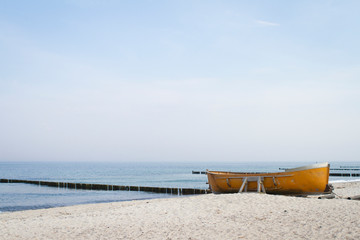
(306, 180)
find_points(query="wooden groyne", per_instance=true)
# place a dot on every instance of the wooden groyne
(344, 174)
(105, 187)
(198, 172)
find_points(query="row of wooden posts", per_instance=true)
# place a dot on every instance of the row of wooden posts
(344, 174)
(105, 187)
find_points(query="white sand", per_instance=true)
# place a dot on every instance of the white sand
(346, 189)
(230, 216)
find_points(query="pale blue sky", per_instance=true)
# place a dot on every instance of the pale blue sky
(179, 80)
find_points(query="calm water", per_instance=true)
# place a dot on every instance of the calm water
(16, 197)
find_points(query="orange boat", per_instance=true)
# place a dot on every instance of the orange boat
(311, 179)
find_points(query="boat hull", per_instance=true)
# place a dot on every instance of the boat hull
(312, 179)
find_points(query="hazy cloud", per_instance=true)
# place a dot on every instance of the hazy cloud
(266, 23)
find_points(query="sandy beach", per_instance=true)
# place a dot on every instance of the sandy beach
(228, 216)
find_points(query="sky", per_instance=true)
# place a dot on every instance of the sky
(200, 80)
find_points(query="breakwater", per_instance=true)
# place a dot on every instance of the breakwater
(344, 174)
(106, 187)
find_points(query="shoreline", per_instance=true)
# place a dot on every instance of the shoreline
(133, 199)
(226, 216)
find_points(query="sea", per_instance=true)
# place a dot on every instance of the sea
(21, 196)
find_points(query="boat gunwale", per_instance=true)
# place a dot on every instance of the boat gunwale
(298, 169)
(271, 176)
(307, 167)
